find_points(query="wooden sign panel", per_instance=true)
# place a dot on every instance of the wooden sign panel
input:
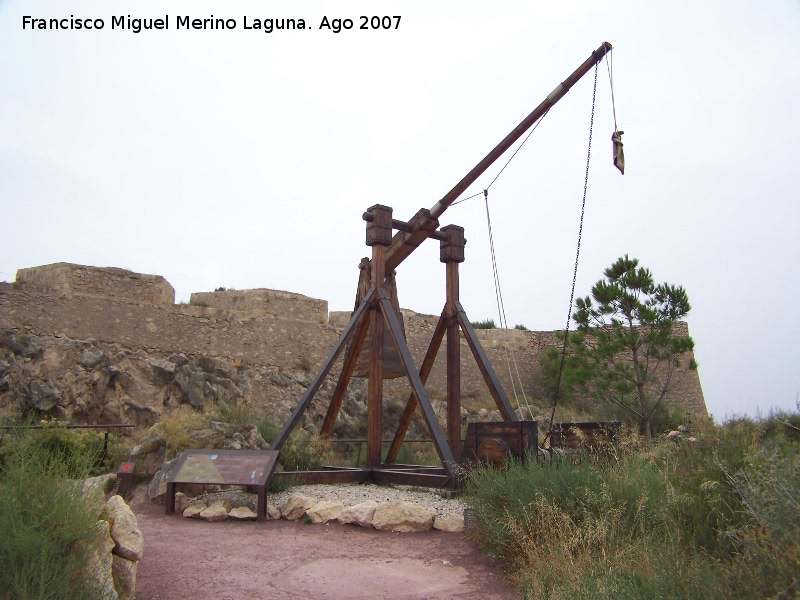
(224, 467)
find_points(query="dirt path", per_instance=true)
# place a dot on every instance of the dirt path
(188, 559)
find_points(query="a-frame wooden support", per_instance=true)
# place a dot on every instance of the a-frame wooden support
(376, 316)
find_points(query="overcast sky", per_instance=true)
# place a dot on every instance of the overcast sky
(245, 159)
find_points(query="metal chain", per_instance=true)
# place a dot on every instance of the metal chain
(575, 271)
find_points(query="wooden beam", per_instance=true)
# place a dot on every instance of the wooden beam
(439, 439)
(294, 419)
(489, 376)
(384, 476)
(315, 477)
(344, 379)
(453, 362)
(411, 405)
(375, 373)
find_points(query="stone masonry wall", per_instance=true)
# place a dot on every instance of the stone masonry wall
(110, 282)
(264, 302)
(264, 333)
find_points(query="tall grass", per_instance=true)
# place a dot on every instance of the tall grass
(47, 524)
(717, 518)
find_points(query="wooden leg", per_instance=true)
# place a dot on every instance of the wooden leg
(489, 376)
(344, 379)
(294, 419)
(439, 438)
(411, 405)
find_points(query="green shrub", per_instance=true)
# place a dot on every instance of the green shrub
(715, 517)
(485, 324)
(47, 525)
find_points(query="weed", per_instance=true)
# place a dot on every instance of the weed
(717, 517)
(47, 525)
(485, 324)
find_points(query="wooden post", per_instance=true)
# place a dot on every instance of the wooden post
(451, 252)
(379, 235)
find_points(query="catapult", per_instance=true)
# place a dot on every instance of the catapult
(375, 335)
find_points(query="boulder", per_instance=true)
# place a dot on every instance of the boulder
(256, 441)
(43, 395)
(182, 502)
(128, 539)
(273, 512)
(124, 572)
(99, 566)
(325, 511)
(157, 490)
(455, 524)
(100, 484)
(296, 506)
(242, 513)
(359, 514)
(217, 511)
(90, 357)
(402, 517)
(153, 442)
(193, 510)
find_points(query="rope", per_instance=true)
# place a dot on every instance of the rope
(610, 68)
(575, 271)
(508, 161)
(502, 312)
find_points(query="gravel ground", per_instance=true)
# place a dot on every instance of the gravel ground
(350, 494)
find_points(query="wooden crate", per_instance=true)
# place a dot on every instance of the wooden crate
(491, 443)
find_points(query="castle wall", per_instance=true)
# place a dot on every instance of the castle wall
(110, 282)
(254, 328)
(264, 302)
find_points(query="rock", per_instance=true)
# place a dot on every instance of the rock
(256, 441)
(193, 510)
(201, 435)
(225, 429)
(91, 357)
(359, 514)
(124, 572)
(123, 527)
(483, 413)
(178, 360)
(182, 502)
(217, 511)
(100, 484)
(128, 539)
(43, 394)
(325, 511)
(157, 490)
(191, 382)
(273, 512)
(163, 370)
(153, 442)
(99, 566)
(456, 524)
(242, 513)
(403, 517)
(216, 366)
(296, 506)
